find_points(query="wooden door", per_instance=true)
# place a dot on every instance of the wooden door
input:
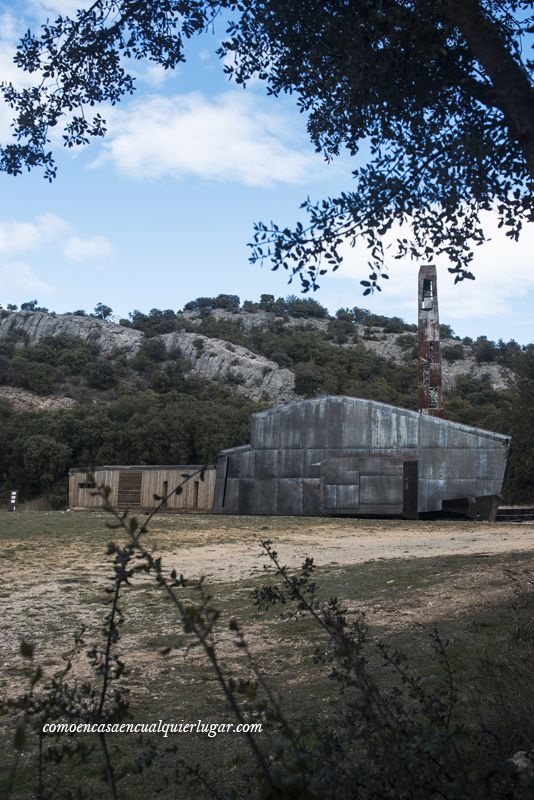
(129, 494)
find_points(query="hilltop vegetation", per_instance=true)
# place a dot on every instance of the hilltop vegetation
(148, 403)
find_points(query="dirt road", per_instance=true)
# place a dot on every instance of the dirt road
(342, 543)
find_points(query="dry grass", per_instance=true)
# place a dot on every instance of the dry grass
(54, 572)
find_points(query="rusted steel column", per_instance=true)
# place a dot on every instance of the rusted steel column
(429, 382)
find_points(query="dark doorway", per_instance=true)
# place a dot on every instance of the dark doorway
(410, 496)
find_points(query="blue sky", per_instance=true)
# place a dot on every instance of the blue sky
(161, 210)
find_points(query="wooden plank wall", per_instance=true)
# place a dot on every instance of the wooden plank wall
(82, 498)
(196, 495)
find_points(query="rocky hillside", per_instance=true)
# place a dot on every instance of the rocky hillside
(224, 346)
(377, 339)
(33, 326)
(211, 359)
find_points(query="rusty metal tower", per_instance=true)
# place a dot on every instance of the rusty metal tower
(429, 382)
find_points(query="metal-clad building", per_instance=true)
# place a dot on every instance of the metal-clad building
(134, 487)
(348, 456)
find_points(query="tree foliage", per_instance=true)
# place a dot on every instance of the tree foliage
(30, 305)
(102, 311)
(521, 421)
(36, 450)
(437, 98)
(43, 458)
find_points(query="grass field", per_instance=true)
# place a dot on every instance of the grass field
(407, 577)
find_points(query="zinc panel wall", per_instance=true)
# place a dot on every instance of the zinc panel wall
(293, 441)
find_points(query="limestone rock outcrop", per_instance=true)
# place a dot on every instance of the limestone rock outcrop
(36, 325)
(245, 372)
(248, 320)
(22, 400)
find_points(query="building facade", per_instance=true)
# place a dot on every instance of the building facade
(347, 456)
(133, 487)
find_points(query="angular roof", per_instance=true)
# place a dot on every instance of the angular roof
(348, 422)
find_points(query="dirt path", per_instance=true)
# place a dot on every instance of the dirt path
(343, 545)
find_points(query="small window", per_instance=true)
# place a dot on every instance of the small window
(86, 485)
(427, 289)
(433, 397)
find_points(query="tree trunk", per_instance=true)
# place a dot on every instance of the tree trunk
(510, 80)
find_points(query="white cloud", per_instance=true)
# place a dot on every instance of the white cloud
(78, 249)
(18, 276)
(232, 137)
(47, 238)
(21, 237)
(44, 9)
(45, 244)
(17, 237)
(9, 29)
(145, 72)
(504, 285)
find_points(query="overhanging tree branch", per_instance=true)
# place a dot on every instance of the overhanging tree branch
(439, 94)
(509, 78)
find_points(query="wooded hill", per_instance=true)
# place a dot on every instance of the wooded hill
(177, 386)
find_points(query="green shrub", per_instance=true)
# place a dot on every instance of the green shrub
(407, 341)
(44, 460)
(57, 500)
(304, 307)
(452, 352)
(153, 349)
(307, 380)
(339, 330)
(484, 350)
(283, 360)
(38, 378)
(100, 375)
(168, 379)
(446, 332)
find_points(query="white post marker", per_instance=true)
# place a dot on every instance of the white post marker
(13, 501)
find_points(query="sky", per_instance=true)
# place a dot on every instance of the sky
(160, 211)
